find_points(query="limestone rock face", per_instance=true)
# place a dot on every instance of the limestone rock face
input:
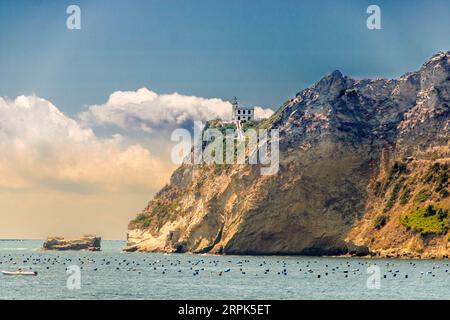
(86, 243)
(337, 140)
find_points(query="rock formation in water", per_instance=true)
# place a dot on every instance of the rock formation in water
(86, 243)
(364, 166)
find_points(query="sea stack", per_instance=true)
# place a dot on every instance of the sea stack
(85, 243)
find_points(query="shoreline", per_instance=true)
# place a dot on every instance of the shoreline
(374, 255)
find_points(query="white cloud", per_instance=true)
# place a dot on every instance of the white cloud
(37, 121)
(145, 110)
(262, 113)
(42, 148)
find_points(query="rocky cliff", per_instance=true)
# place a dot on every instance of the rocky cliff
(363, 166)
(86, 243)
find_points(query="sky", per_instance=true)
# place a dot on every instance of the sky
(86, 115)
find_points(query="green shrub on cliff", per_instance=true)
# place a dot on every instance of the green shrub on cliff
(394, 195)
(378, 188)
(399, 167)
(444, 193)
(426, 220)
(406, 194)
(439, 175)
(380, 221)
(164, 212)
(395, 175)
(422, 196)
(227, 126)
(249, 125)
(142, 220)
(161, 213)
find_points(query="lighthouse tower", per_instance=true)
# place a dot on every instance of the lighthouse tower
(241, 113)
(234, 107)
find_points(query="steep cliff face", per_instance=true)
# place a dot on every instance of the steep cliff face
(339, 141)
(408, 205)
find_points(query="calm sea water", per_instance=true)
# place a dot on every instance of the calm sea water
(111, 274)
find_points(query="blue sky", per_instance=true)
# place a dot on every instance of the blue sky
(261, 51)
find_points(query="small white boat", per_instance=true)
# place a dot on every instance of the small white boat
(20, 273)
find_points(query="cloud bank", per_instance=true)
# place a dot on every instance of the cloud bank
(44, 149)
(145, 110)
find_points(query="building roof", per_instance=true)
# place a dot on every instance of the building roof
(245, 108)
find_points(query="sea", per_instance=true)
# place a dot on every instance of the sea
(113, 274)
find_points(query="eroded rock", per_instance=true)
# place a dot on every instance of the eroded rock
(86, 243)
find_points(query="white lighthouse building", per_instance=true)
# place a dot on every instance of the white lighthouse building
(239, 113)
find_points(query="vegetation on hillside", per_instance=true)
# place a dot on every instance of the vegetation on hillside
(422, 196)
(394, 194)
(438, 176)
(380, 221)
(405, 196)
(410, 187)
(142, 220)
(160, 214)
(396, 171)
(426, 220)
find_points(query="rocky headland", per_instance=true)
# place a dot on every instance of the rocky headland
(364, 170)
